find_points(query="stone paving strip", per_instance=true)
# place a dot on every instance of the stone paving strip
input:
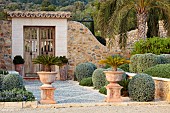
(69, 94)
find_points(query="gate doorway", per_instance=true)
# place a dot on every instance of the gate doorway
(37, 41)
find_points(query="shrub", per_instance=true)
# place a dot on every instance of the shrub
(11, 81)
(167, 56)
(145, 61)
(152, 45)
(1, 80)
(16, 95)
(133, 63)
(160, 70)
(98, 78)
(124, 83)
(3, 72)
(18, 60)
(141, 88)
(83, 70)
(162, 59)
(124, 67)
(86, 82)
(93, 65)
(103, 90)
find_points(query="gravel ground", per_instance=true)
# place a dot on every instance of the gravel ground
(67, 92)
(97, 109)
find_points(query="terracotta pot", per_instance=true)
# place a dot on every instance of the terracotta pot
(113, 76)
(19, 68)
(63, 72)
(47, 78)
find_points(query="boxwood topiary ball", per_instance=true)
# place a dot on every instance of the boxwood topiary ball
(83, 70)
(141, 88)
(12, 81)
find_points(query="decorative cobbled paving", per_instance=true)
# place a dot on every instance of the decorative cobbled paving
(67, 92)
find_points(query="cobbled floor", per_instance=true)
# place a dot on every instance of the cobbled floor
(67, 92)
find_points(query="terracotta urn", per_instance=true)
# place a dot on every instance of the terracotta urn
(113, 88)
(47, 78)
(113, 76)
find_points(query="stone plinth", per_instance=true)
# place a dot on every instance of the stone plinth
(113, 92)
(47, 95)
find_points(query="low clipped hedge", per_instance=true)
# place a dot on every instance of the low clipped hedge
(16, 95)
(160, 70)
(133, 63)
(141, 88)
(86, 82)
(145, 61)
(140, 62)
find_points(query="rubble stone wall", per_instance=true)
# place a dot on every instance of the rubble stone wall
(5, 45)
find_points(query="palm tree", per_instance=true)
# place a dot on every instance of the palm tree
(114, 16)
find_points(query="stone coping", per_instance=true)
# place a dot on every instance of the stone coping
(39, 14)
(155, 78)
(35, 104)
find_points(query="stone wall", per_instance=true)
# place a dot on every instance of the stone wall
(162, 88)
(83, 47)
(5, 45)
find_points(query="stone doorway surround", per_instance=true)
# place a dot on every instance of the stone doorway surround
(21, 19)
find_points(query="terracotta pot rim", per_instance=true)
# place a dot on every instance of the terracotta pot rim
(113, 71)
(47, 72)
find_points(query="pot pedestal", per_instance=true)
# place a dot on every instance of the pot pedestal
(47, 95)
(113, 92)
(113, 88)
(47, 90)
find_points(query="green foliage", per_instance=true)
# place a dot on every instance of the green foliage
(124, 83)
(1, 80)
(133, 63)
(98, 78)
(167, 56)
(141, 88)
(3, 72)
(11, 81)
(93, 65)
(16, 95)
(114, 61)
(162, 59)
(152, 45)
(47, 61)
(86, 82)
(140, 62)
(103, 90)
(61, 60)
(83, 70)
(124, 67)
(145, 61)
(160, 70)
(18, 60)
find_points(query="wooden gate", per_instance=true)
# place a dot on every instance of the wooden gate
(37, 41)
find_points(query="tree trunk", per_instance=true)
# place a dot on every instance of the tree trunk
(141, 23)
